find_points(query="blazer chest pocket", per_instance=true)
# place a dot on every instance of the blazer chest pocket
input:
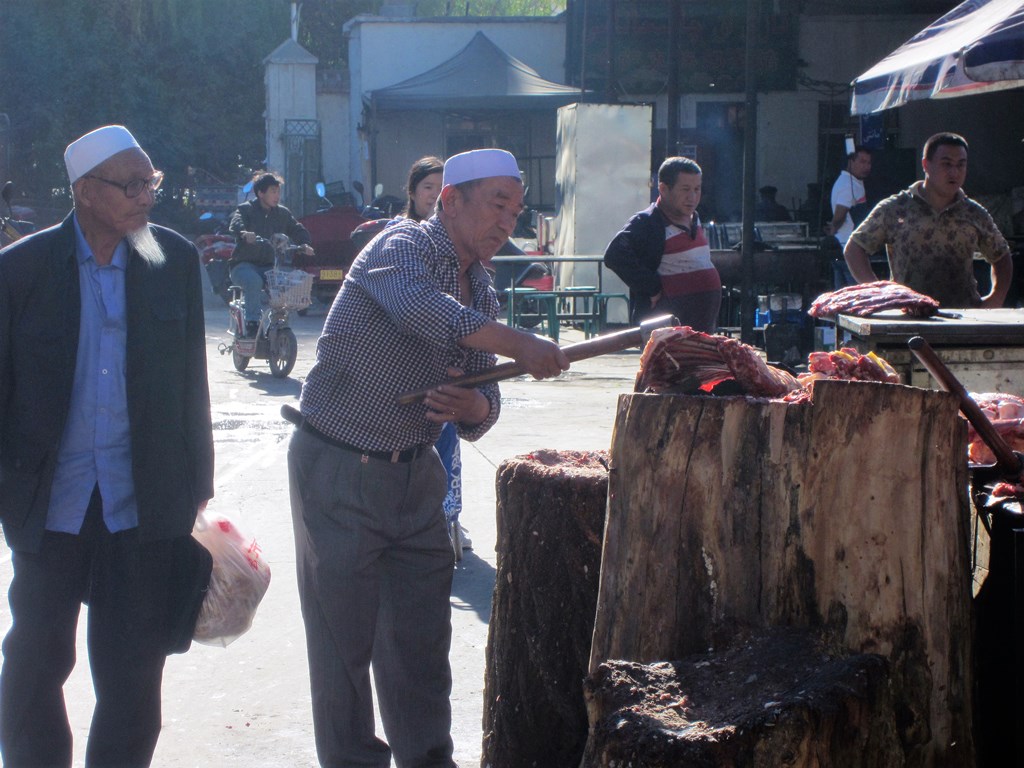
(167, 317)
(20, 476)
(168, 311)
(42, 350)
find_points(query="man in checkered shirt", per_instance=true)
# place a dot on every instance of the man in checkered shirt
(373, 556)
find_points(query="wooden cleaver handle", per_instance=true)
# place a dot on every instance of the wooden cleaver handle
(1008, 462)
(601, 345)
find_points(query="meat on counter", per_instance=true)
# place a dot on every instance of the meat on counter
(868, 298)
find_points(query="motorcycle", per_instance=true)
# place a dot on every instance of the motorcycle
(382, 206)
(12, 229)
(215, 250)
(285, 290)
(330, 229)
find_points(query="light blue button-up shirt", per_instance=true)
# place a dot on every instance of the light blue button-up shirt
(96, 446)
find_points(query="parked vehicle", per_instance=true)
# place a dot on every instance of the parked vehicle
(286, 290)
(382, 206)
(330, 229)
(215, 249)
(12, 229)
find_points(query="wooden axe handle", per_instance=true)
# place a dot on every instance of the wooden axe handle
(601, 345)
(1007, 461)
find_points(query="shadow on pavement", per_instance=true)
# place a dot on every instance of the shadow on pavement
(266, 383)
(473, 585)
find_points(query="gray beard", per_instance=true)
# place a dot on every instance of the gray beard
(145, 244)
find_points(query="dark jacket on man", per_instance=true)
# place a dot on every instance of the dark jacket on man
(634, 254)
(253, 217)
(166, 381)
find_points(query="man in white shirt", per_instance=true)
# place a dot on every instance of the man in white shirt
(849, 208)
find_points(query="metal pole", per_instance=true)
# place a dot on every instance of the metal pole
(610, 95)
(672, 89)
(749, 169)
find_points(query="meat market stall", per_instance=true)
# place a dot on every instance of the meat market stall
(984, 348)
(782, 271)
(755, 566)
(781, 267)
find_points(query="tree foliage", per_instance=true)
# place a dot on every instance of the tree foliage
(186, 77)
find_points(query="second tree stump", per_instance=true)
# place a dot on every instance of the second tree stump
(551, 509)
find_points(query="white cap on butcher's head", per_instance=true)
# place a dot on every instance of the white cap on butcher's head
(479, 164)
(84, 154)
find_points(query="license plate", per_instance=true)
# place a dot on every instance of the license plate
(332, 274)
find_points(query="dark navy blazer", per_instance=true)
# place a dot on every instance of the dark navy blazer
(167, 389)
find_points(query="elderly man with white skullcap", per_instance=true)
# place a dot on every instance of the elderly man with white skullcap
(373, 556)
(106, 455)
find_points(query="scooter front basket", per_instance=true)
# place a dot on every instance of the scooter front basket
(289, 289)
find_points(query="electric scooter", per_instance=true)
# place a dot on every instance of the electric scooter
(285, 290)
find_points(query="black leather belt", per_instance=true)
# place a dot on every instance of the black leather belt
(394, 457)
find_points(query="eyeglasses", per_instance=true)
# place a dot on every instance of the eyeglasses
(135, 188)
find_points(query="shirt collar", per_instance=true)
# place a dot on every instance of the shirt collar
(917, 186)
(477, 271)
(694, 222)
(84, 253)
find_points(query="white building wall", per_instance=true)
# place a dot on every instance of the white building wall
(291, 95)
(332, 111)
(787, 144)
(386, 51)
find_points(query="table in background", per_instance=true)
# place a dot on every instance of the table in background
(984, 348)
(584, 304)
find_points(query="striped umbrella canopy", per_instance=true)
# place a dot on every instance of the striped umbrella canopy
(975, 48)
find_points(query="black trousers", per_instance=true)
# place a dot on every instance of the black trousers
(127, 586)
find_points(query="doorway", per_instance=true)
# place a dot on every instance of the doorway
(719, 142)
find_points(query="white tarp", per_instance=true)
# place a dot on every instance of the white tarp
(975, 48)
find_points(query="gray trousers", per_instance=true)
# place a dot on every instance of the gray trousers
(374, 572)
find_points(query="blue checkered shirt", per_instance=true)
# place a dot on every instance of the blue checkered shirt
(395, 327)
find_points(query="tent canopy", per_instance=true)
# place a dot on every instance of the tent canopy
(480, 76)
(975, 48)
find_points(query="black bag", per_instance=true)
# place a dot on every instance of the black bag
(193, 564)
(859, 212)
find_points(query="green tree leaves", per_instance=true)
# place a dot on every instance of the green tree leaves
(185, 76)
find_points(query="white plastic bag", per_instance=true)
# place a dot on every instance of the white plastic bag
(239, 580)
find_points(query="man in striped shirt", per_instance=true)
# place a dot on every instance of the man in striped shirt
(663, 255)
(373, 556)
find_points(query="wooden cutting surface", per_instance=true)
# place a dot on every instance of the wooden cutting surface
(959, 326)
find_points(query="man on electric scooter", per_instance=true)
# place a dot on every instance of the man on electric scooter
(260, 218)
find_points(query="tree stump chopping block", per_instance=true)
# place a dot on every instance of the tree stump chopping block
(551, 510)
(848, 513)
(778, 698)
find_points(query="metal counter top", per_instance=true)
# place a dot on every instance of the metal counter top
(1001, 327)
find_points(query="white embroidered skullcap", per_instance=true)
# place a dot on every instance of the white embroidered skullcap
(84, 154)
(479, 164)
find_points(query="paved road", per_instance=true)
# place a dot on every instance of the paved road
(248, 704)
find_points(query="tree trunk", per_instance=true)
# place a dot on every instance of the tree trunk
(776, 699)
(551, 509)
(847, 514)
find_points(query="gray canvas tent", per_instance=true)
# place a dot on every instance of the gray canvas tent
(480, 76)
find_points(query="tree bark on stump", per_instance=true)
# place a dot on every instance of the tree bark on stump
(551, 510)
(776, 699)
(847, 514)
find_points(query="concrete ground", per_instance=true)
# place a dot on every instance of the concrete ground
(248, 704)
